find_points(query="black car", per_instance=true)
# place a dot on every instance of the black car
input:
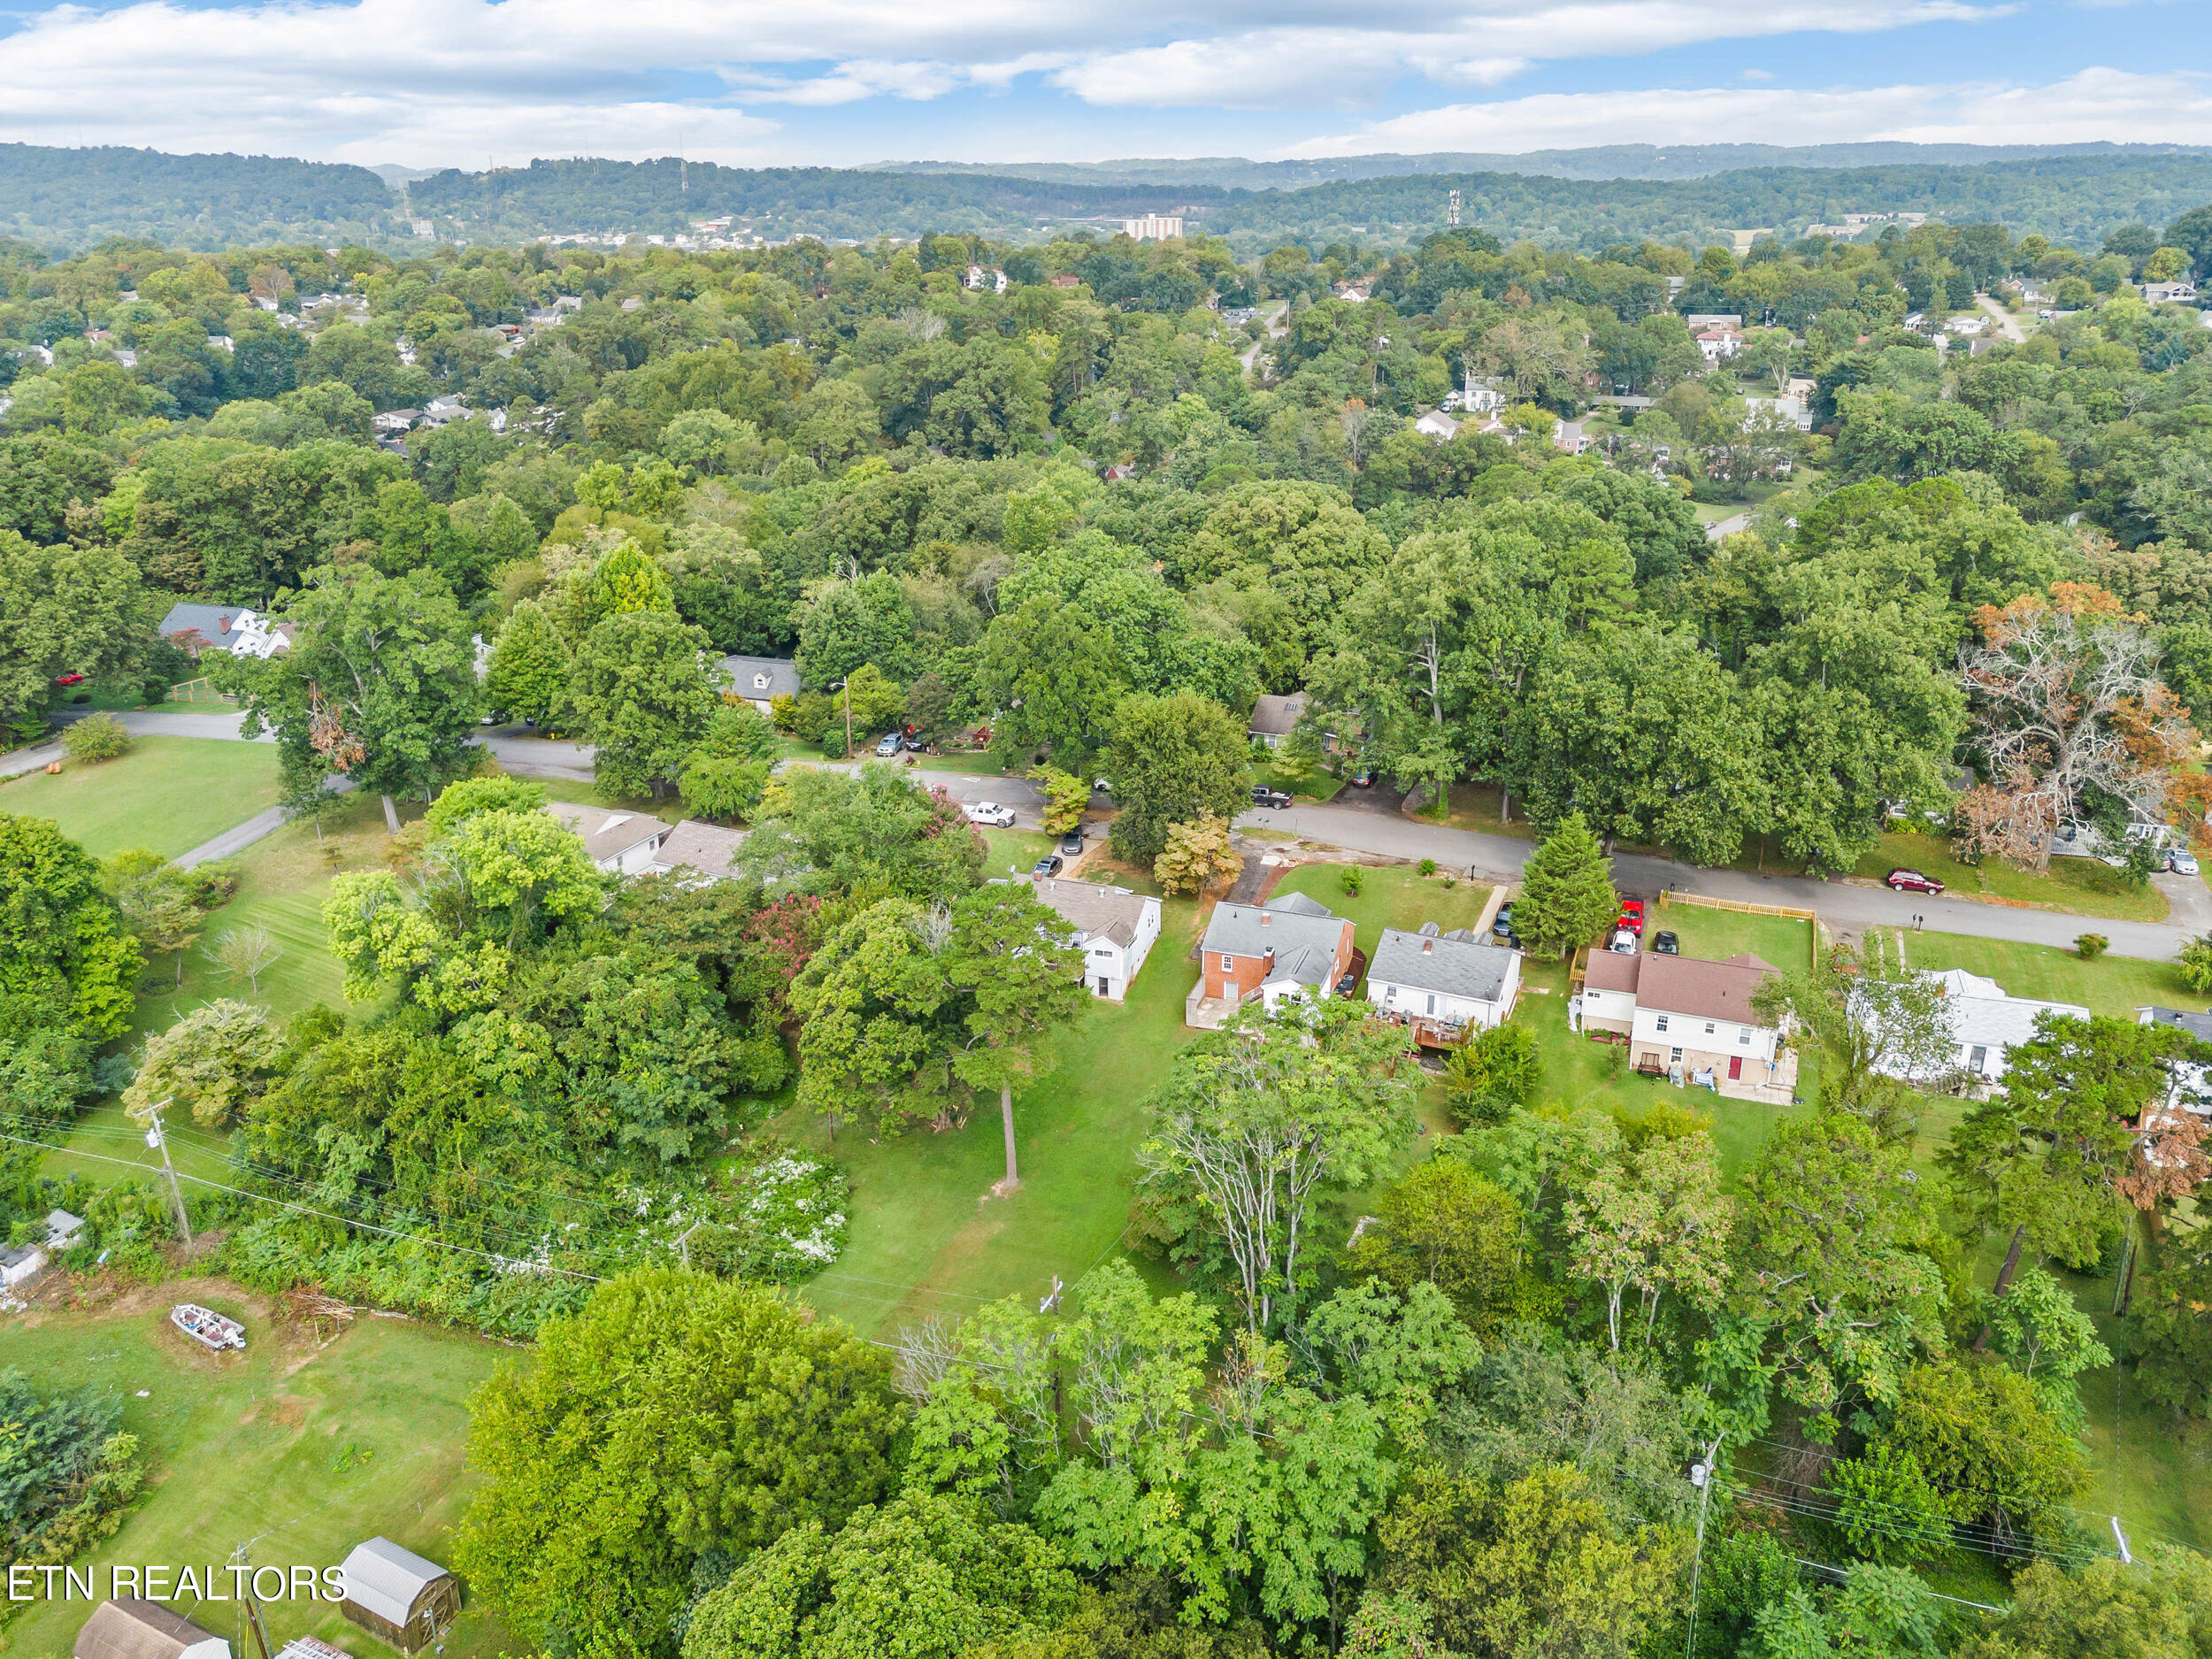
(1503, 927)
(1344, 985)
(1364, 779)
(1072, 843)
(916, 742)
(1665, 944)
(1262, 795)
(1047, 865)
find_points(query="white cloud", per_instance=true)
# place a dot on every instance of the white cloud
(427, 80)
(2095, 103)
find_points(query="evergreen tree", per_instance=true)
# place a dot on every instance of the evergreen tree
(1567, 896)
(529, 671)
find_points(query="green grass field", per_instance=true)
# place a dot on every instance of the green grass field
(2082, 886)
(1717, 935)
(1393, 895)
(169, 794)
(306, 1451)
(2116, 986)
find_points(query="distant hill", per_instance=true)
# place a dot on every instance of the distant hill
(1609, 161)
(69, 199)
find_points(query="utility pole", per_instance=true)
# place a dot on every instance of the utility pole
(240, 1558)
(1701, 1477)
(845, 686)
(155, 1138)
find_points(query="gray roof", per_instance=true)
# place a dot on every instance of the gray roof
(1452, 966)
(1275, 716)
(2198, 1025)
(1301, 936)
(1982, 1015)
(607, 835)
(212, 623)
(763, 676)
(385, 1579)
(708, 848)
(1098, 912)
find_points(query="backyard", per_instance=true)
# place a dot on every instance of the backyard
(306, 1450)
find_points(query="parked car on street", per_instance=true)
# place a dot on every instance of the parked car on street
(1632, 917)
(1262, 795)
(1912, 881)
(1047, 865)
(989, 813)
(1665, 944)
(1072, 843)
(2180, 861)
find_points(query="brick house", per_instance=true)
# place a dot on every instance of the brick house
(1292, 946)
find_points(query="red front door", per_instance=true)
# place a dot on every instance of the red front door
(1735, 1067)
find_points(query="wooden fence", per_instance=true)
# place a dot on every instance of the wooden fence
(1704, 901)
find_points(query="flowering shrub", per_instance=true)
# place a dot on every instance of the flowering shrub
(787, 1220)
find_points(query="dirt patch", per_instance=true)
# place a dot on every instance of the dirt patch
(278, 1411)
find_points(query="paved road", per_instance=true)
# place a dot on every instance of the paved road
(1847, 907)
(171, 723)
(35, 758)
(1371, 826)
(2007, 325)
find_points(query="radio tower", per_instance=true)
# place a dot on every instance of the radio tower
(1451, 213)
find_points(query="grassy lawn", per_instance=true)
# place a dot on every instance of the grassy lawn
(1309, 783)
(307, 1451)
(1392, 896)
(1012, 851)
(1717, 935)
(169, 794)
(928, 1237)
(2084, 887)
(2116, 986)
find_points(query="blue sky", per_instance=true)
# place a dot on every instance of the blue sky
(837, 82)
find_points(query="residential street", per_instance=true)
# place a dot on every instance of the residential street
(1374, 825)
(2007, 325)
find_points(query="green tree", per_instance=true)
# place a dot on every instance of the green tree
(1171, 760)
(1879, 1610)
(1065, 797)
(154, 900)
(1446, 1225)
(1657, 1222)
(644, 689)
(2156, 1606)
(878, 1017)
(1008, 951)
(70, 610)
(215, 1062)
(923, 1576)
(1873, 1021)
(1567, 898)
(674, 1415)
(530, 668)
(1534, 1567)
(63, 961)
(1979, 1434)
(380, 684)
(1492, 1070)
(95, 738)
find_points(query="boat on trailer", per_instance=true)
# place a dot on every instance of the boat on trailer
(207, 1327)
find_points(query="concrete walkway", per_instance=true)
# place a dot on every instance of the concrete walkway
(238, 837)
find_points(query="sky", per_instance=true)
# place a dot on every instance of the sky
(428, 83)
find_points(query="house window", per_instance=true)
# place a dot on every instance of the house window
(1228, 965)
(1978, 1059)
(1708, 1027)
(760, 682)
(1391, 995)
(1674, 1056)
(1663, 1022)
(1743, 1037)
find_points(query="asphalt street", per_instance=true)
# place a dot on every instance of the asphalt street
(1370, 824)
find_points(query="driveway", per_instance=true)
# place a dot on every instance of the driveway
(2007, 325)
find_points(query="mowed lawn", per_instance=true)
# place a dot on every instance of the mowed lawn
(2086, 886)
(927, 1236)
(2116, 986)
(169, 794)
(305, 1451)
(1391, 895)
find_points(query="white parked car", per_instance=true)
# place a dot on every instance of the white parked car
(1624, 944)
(990, 813)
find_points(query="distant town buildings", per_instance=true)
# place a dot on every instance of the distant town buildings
(1153, 227)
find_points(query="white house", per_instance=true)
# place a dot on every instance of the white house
(219, 628)
(2192, 1089)
(620, 843)
(1691, 1020)
(706, 849)
(1437, 425)
(1986, 1024)
(1443, 985)
(1112, 926)
(1719, 345)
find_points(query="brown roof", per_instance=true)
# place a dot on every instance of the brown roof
(131, 1628)
(1705, 990)
(1609, 971)
(708, 848)
(1277, 717)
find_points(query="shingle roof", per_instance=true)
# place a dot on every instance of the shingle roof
(1702, 989)
(131, 1628)
(2198, 1025)
(708, 848)
(1609, 971)
(1247, 930)
(1981, 1015)
(212, 623)
(763, 676)
(606, 834)
(1275, 717)
(1099, 912)
(1454, 967)
(385, 1579)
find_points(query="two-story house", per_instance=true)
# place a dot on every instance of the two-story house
(1690, 1020)
(1113, 927)
(1442, 986)
(1292, 946)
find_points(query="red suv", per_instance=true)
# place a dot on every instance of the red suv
(1632, 917)
(1912, 881)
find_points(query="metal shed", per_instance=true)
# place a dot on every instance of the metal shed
(131, 1628)
(397, 1596)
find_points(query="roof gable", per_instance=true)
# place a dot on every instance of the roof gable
(1452, 967)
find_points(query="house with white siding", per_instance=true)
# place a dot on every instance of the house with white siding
(1113, 927)
(620, 843)
(1442, 987)
(1690, 1020)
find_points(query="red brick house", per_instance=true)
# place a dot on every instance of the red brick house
(1292, 946)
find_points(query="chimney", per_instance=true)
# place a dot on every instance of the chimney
(1265, 919)
(1428, 947)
